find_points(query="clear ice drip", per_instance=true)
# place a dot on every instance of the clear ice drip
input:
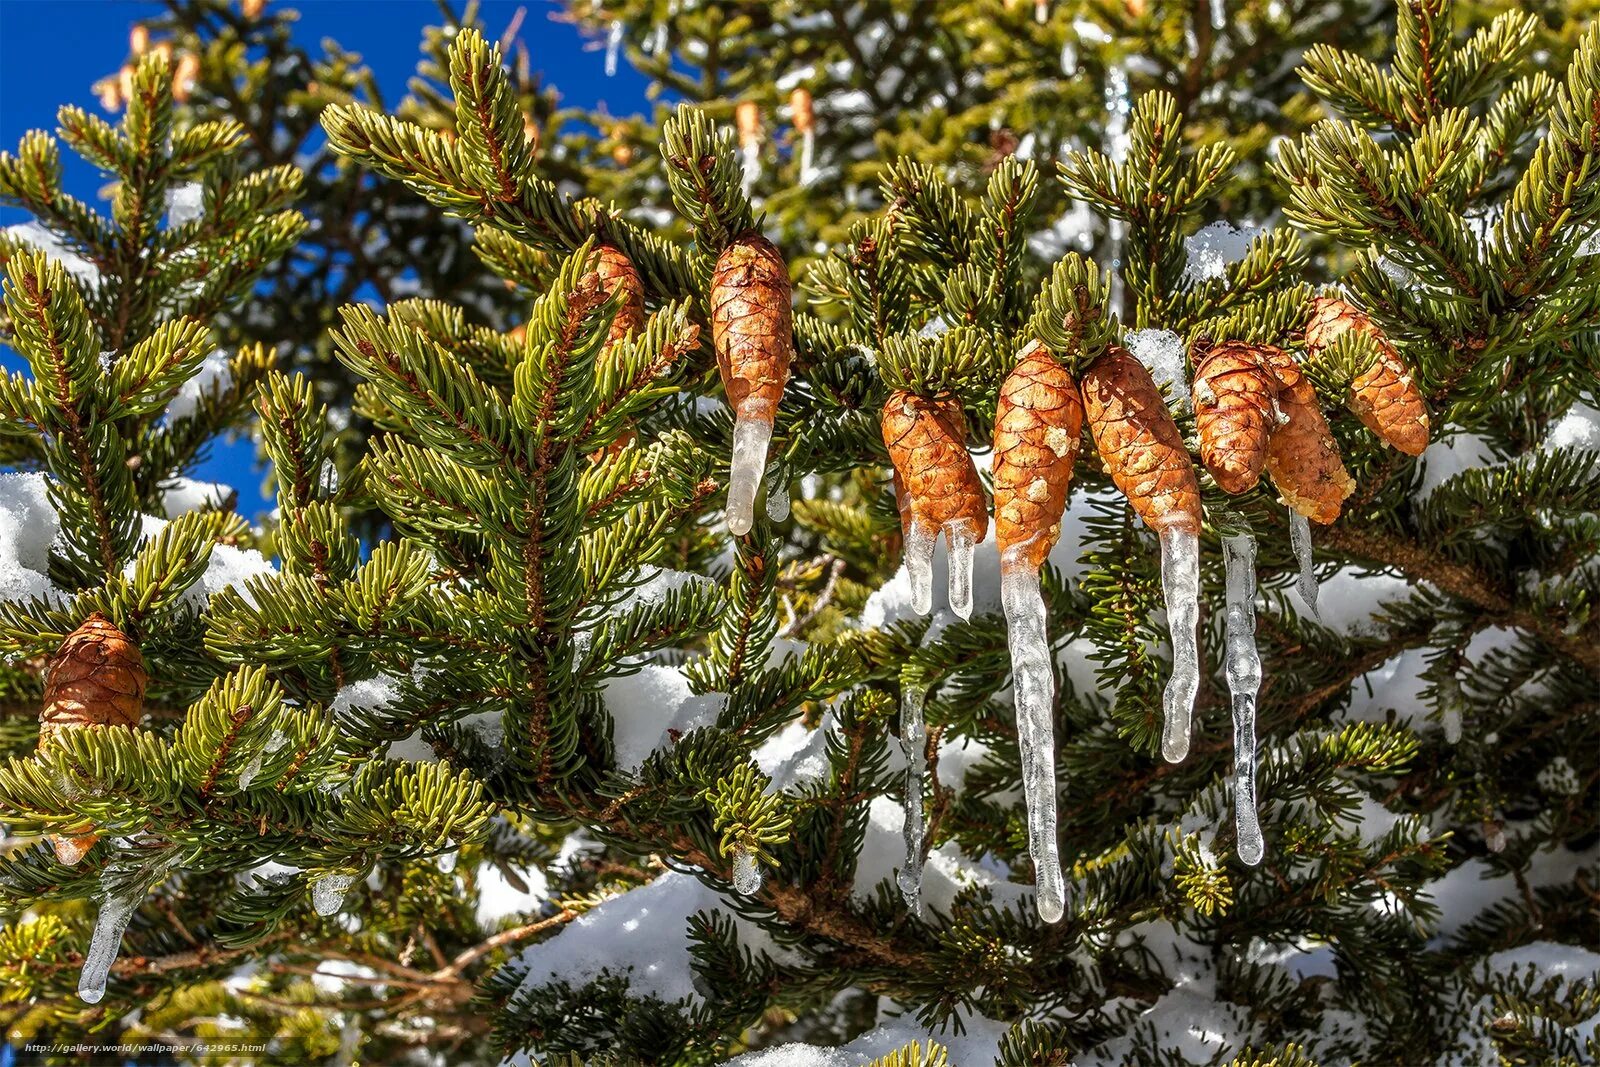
(808, 154)
(778, 502)
(71, 850)
(253, 768)
(1033, 684)
(962, 546)
(1219, 14)
(116, 911)
(1244, 682)
(327, 892)
(1300, 541)
(1180, 588)
(920, 541)
(746, 873)
(613, 48)
(913, 739)
(751, 161)
(750, 440)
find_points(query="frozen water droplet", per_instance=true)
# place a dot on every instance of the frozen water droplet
(746, 873)
(1452, 727)
(778, 502)
(327, 892)
(1300, 541)
(962, 546)
(920, 543)
(1180, 588)
(71, 850)
(446, 861)
(1034, 685)
(750, 440)
(913, 739)
(613, 47)
(1244, 682)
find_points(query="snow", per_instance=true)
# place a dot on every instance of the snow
(498, 898)
(28, 526)
(647, 708)
(642, 935)
(1578, 428)
(182, 495)
(1214, 247)
(1548, 959)
(213, 376)
(1348, 601)
(1448, 456)
(796, 755)
(35, 234)
(957, 757)
(977, 1045)
(327, 892)
(369, 694)
(185, 203)
(948, 873)
(1165, 356)
(1468, 890)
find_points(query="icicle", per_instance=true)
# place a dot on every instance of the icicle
(327, 892)
(613, 47)
(961, 546)
(1219, 14)
(253, 768)
(1300, 541)
(446, 861)
(808, 152)
(657, 45)
(750, 440)
(1450, 704)
(746, 873)
(750, 154)
(1494, 835)
(778, 502)
(1033, 684)
(1069, 59)
(1244, 681)
(116, 911)
(920, 542)
(1118, 106)
(913, 739)
(1180, 588)
(1041, 11)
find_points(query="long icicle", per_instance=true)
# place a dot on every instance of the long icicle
(913, 739)
(1300, 541)
(1033, 686)
(920, 545)
(1244, 682)
(961, 546)
(1180, 588)
(116, 910)
(750, 440)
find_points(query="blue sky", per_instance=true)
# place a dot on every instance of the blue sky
(52, 51)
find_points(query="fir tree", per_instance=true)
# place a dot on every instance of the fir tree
(763, 786)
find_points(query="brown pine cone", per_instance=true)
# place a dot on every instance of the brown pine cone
(1140, 443)
(1302, 456)
(612, 268)
(1235, 412)
(752, 325)
(97, 678)
(1385, 396)
(1036, 432)
(927, 441)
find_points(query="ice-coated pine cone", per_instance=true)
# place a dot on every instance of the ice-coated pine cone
(1302, 456)
(1037, 427)
(927, 441)
(752, 325)
(1235, 412)
(1385, 396)
(1140, 443)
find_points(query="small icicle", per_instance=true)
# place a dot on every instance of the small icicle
(446, 861)
(1494, 835)
(116, 911)
(657, 44)
(962, 546)
(1180, 588)
(1450, 704)
(1033, 686)
(778, 502)
(1041, 11)
(913, 739)
(750, 156)
(750, 440)
(1118, 105)
(1244, 682)
(920, 543)
(808, 152)
(1069, 59)
(1300, 541)
(327, 892)
(746, 873)
(613, 47)
(1219, 14)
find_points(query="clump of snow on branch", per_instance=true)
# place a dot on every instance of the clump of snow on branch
(649, 709)
(1214, 247)
(185, 203)
(976, 1042)
(1165, 356)
(183, 495)
(213, 377)
(33, 233)
(28, 526)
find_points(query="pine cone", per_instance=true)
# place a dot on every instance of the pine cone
(1302, 456)
(1384, 397)
(1235, 412)
(927, 442)
(1140, 443)
(801, 111)
(97, 678)
(615, 271)
(752, 325)
(1036, 432)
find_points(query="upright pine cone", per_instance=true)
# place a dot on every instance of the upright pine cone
(927, 442)
(97, 678)
(1140, 444)
(1036, 431)
(752, 325)
(1302, 456)
(1235, 412)
(1384, 397)
(615, 272)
